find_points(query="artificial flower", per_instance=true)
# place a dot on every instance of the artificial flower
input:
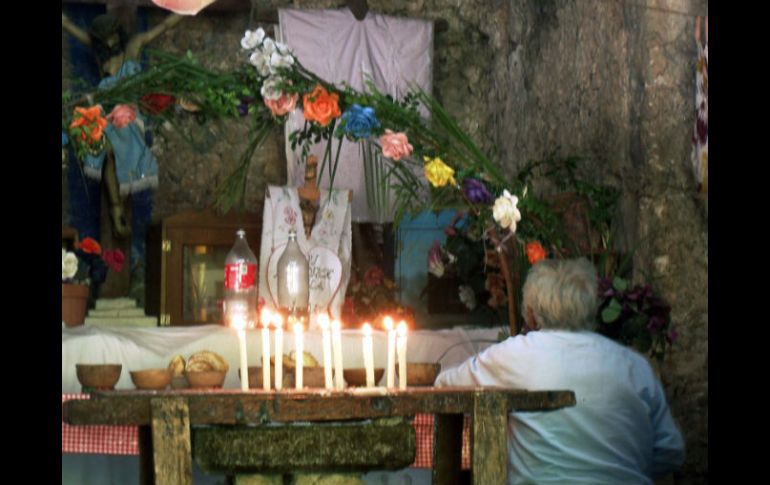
(283, 105)
(155, 103)
(122, 115)
(271, 88)
(535, 252)
(88, 124)
(278, 61)
(467, 296)
(435, 262)
(395, 145)
(476, 192)
(114, 259)
(261, 61)
(89, 246)
(438, 173)
(505, 211)
(321, 106)
(69, 264)
(359, 121)
(252, 38)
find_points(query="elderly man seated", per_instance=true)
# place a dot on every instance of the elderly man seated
(621, 430)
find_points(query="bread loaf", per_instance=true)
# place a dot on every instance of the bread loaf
(206, 360)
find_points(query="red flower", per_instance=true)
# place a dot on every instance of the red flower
(89, 246)
(374, 276)
(155, 103)
(535, 252)
(114, 259)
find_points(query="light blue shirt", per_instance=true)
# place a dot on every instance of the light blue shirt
(621, 430)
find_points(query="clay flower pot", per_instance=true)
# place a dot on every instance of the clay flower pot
(74, 302)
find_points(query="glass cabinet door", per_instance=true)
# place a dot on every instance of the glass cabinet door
(203, 283)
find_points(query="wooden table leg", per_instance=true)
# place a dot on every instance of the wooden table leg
(447, 448)
(146, 468)
(171, 441)
(489, 449)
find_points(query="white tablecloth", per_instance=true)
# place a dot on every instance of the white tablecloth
(145, 348)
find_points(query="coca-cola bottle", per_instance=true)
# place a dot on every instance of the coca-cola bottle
(293, 279)
(241, 283)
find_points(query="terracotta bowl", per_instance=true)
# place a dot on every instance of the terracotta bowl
(202, 379)
(357, 377)
(421, 373)
(311, 377)
(155, 379)
(98, 376)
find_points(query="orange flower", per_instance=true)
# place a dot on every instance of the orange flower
(89, 118)
(535, 252)
(320, 106)
(90, 246)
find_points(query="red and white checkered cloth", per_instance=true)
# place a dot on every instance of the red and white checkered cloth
(124, 440)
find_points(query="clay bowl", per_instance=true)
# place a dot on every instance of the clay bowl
(155, 379)
(204, 379)
(421, 373)
(311, 377)
(357, 377)
(98, 376)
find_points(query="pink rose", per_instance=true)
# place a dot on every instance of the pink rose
(114, 259)
(283, 105)
(395, 145)
(122, 115)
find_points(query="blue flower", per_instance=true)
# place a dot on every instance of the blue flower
(359, 121)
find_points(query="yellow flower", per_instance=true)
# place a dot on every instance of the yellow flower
(438, 173)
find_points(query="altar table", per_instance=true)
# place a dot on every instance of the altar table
(167, 417)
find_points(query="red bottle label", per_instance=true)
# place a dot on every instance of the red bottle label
(240, 276)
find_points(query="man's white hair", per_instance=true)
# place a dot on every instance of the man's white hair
(562, 294)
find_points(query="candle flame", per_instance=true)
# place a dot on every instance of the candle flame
(265, 317)
(298, 327)
(277, 320)
(238, 322)
(336, 325)
(388, 322)
(367, 329)
(323, 321)
(401, 329)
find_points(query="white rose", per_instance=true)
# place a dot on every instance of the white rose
(505, 211)
(270, 89)
(467, 296)
(268, 47)
(277, 60)
(252, 38)
(261, 62)
(69, 265)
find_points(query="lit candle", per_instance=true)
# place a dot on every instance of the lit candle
(266, 350)
(323, 322)
(239, 323)
(278, 322)
(401, 346)
(299, 347)
(337, 347)
(391, 370)
(368, 355)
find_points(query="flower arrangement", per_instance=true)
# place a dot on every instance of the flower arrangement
(373, 296)
(89, 263)
(87, 130)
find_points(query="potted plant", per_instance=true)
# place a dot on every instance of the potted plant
(86, 266)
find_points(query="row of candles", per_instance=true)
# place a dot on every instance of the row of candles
(332, 351)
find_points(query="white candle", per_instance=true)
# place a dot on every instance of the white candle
(278, 322)
(299, 346)
(401, 347)
(323, 322)
(368, 355)
(266, 353)
(391, 369)
(337, 347)
(240, 325)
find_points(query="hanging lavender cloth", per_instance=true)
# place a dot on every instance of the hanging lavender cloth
(395, 53)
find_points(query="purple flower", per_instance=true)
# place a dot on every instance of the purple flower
(476, 192)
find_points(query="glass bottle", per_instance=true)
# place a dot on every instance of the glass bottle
(241, 283)
(293, 279)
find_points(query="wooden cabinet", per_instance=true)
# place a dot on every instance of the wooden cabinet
(193, 248)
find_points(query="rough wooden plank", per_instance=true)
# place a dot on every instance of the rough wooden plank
(146, 467)
(488, 439)
(171, 441)
(447, 448)
(257, 407)
(385, 444)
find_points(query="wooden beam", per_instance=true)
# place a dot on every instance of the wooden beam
(171, 445)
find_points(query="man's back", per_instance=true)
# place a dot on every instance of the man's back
(620, 431)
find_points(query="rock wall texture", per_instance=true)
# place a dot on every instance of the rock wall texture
(610, 81)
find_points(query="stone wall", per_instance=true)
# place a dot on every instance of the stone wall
(610, 81)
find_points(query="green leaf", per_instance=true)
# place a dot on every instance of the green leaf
(612, 312)
(619, 283)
